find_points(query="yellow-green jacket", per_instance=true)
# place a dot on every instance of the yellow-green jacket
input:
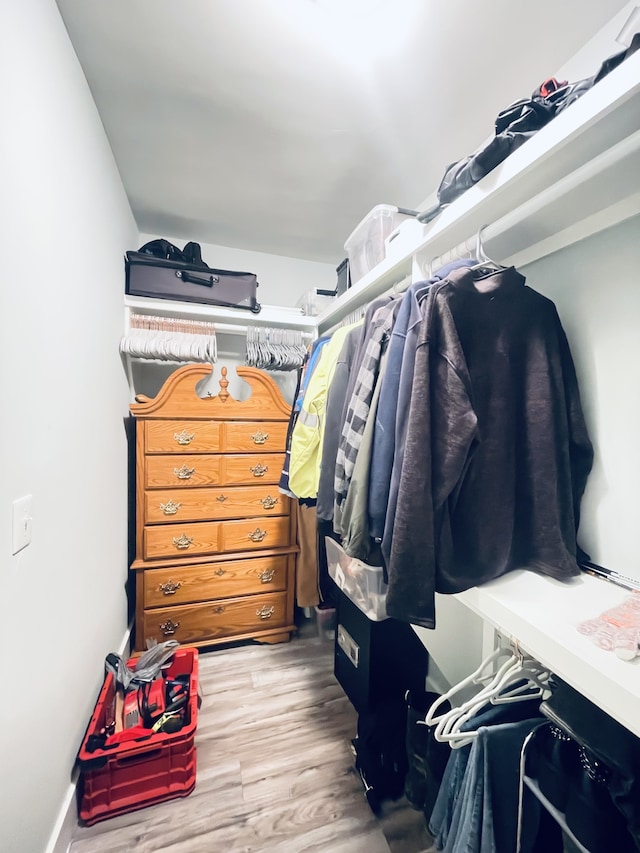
(308, 433)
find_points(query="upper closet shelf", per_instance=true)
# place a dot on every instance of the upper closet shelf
(578, 175)
(229, 320)
(543, 614)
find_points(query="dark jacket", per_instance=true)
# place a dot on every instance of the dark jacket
(497, 453)
(395, 395)
(336, 396)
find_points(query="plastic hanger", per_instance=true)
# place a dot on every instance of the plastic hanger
(485, 265)
(431, 716)
(522, 679)
(456, 716)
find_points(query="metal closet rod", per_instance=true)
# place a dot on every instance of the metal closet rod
(230, 329)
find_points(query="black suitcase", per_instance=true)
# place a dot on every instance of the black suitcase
(166, 279)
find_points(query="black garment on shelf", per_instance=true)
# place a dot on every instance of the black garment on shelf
(516, 124)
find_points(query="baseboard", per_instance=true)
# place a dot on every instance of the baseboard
(125, 645)
(64, 828)
(62, 834)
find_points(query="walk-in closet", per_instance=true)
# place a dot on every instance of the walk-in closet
(321, 396)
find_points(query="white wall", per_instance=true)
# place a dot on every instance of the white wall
(594, 285)
(65, 223)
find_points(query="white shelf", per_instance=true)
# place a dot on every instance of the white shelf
(584, 162)
(577, 176)
(226, 319)
(542, 615)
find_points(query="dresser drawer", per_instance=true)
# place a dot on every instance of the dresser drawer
(214, 537)
(252, 469)
(182, 471)
(252, 533)
(268, 437)
(166, 505)
(182, 437)
(193, 623)
(188, 584)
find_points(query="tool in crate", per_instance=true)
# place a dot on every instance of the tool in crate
(144, 701)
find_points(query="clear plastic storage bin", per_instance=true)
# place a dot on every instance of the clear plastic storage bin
(361, 583)
(366, 245)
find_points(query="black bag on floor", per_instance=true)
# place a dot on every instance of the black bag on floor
(381, 754)
(163, 271)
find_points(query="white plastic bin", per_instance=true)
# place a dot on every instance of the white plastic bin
(361, 583)
(366, 245)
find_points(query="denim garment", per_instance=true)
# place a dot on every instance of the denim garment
(452, 781)
(485, 816)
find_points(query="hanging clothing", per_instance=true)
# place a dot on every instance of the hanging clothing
(307, 587)
(395, 396)
(338, 397)
(308, 432)
(497, 452)
(304, 375)
(454, 820)
(356, 535)
(358, 408)
(485, 816)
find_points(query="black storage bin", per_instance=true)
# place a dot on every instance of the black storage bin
(165, 279)
(376, 661)
(344, 278)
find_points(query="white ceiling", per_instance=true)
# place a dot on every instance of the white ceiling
(275, 125)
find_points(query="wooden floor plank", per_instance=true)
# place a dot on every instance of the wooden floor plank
(275, 772)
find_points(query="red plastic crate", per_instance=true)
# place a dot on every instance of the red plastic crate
(135, 769)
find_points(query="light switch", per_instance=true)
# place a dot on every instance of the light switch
(22, 523)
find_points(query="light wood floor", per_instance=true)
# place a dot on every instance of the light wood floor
(275, 770)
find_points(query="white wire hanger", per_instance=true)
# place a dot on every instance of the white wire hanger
(518, 678)
(274, 349)
(169, 339)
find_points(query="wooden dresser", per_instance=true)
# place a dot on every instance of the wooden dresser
(215, 539)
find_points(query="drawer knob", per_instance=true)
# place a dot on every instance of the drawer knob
(184, 437)
(171, 507)
(182, 542)
(257, 535)
(259, 470)
(265, 612)
(169, 627)
(219, 608)
(220, 572)
(268, 502)
(266, 575)
(170, 587)
(184, 473)
(259, 437)
(222, 498)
